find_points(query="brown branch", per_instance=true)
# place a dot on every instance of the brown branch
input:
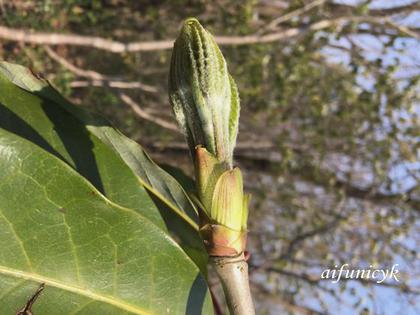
(288, 16)
(101, 80)
(72, 68)
(97, 79)
(112, 84)
(340, 8)
(146, 115)
(27, 309)
(401, 28)
(326, 227)
(26, 36)
(329, 180)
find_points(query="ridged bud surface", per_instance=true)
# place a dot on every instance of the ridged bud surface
(203, 95)
(205, 101)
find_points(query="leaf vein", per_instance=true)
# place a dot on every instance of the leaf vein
(74, 289)
(22, 246)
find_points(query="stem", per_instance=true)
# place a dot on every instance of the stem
(233, 273)
(216, 305)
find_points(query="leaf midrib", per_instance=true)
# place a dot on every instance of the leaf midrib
(74, 289)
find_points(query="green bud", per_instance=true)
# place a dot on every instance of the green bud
(220, 191)
(227, 207)
(223, 205)
(205, 101)
(203, 95)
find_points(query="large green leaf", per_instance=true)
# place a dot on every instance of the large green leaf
(74, 214)
(116, 165)
(94, 256)
(151, 175)
(53, 129)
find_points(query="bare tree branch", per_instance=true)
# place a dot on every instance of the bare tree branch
(112, 84)
(146, 115)
(97, 79)
(341, 8)
(72, 68)
(288, 16)
(100, 80)
(26, 36)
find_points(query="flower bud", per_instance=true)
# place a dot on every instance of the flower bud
(203, 95)
(206, 104)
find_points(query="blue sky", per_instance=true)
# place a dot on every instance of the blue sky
(384, 300)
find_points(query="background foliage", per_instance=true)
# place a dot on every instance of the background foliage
(329, 128)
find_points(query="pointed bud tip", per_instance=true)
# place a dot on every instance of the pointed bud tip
(190, 24)
(191, 21)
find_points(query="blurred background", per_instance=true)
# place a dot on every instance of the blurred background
(329, 138)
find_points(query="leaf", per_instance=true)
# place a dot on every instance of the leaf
(151, 175)
(94, 256)
(186, 181)
(116, 165)
(50, 127)
(49, 159)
